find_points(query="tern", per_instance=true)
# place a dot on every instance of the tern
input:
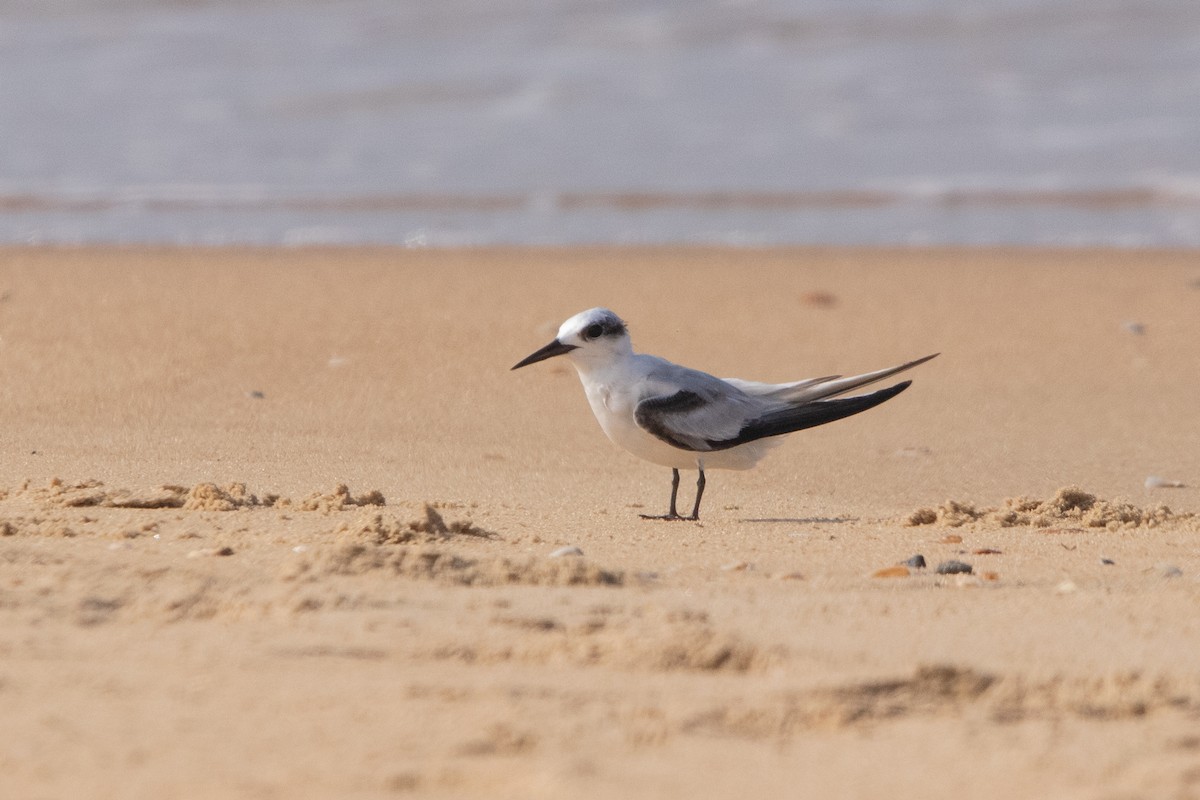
(686, 419)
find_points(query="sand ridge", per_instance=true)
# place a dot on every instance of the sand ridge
(1069, 505)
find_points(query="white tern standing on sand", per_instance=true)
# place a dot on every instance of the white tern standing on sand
(686, 419)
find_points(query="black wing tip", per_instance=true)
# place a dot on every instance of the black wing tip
(873, 399)
(810, 415)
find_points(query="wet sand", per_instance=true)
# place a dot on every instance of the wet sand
(194, 605)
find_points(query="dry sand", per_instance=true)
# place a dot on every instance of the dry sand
(192, 604)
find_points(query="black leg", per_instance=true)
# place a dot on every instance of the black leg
(674, 492)
(672, 514)
(699, 494)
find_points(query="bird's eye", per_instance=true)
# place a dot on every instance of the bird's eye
(593, 331)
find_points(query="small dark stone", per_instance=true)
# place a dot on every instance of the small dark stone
(953, 568)
(255, 395)
(1108, 562)
(916, 562)
(224, 551)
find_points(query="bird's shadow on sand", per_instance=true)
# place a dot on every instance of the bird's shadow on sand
(802, 520)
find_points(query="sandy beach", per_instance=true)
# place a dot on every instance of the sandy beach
(281, 523)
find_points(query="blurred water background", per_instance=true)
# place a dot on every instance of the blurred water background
(474, 122)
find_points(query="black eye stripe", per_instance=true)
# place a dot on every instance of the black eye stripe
(603, 326)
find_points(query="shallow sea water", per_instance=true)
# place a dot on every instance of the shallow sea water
(511, 122)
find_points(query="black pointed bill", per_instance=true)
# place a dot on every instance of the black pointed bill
(555, 348)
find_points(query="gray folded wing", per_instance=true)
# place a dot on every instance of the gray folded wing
(688, 408)
(696, 411)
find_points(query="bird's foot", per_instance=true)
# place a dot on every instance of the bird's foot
(671, 516)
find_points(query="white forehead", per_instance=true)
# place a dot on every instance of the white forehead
(584, 318)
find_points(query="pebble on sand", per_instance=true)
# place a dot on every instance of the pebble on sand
(1168, 570)
(570, 550)
(819, 299)
(954, 568)
(211, 551)
(1155, 482)
(916, 562)
(898, 571)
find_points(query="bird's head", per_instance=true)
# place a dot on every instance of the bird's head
(594, 336)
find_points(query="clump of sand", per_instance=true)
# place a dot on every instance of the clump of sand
(37, 526)
(377, 543)
(210, 497)
(445, 566)
(93, 493)
(374, 527)
(1070, 505)
(341, 499)
(201, 497)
